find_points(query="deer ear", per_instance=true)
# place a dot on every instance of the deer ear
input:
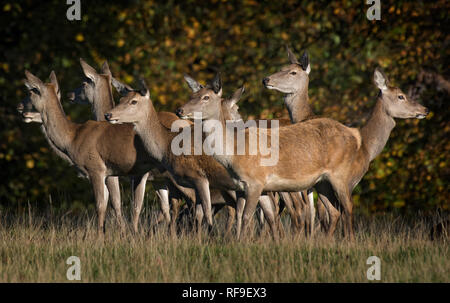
(193, 84)
(144, 91)
(33, 82)
(291, 56)
(304, 62)
(105, 69)
(380, 79)
(121, 88)
(217, 84)
(237, 95)
(27, 84)
(88, 70)
(54, 81)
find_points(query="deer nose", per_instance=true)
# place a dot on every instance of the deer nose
(427, 111)
(108, 116)
(265, 81)
(179, 112)
(20, 108)
(71, 96)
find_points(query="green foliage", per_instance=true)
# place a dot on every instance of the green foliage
(161, 40)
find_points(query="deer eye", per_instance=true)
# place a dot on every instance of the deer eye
(205, 98)
(401, 97)
(36, 91)
(134, 102)
(293, 73)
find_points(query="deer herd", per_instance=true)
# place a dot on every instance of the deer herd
(133, 139)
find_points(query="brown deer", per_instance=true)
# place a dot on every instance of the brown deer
(314, 150)
(25, 108)
(196, 171)
(97, 149)
(230, 110)
(96, 91)
(219, 199)
(230, 113)
(293, 81)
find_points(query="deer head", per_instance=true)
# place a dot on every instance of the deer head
(25, 109)
(85, 93)
(207, 100)
(395, 101)
(133, 107)
(40, 92)
(230, 108)
(291, 78)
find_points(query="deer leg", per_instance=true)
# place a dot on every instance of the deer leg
(184, 216)
(175, 211)
(101, 200)
(266, 206)
(328, 199)
(312, 210)
(231, 218)
(252, 194)
(203, 195)
(306, 213)
(324, 219)
(230, 200)
(260, 216)
(160, 218)
(288, 203)
(240, 205)
(345, 199)
(198, 217)
(112, 183)
(163, 195)
(275, 198)
(139, 191)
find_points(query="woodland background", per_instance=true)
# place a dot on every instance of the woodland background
(162, 40)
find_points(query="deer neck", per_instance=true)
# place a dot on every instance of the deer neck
(220, 116)
(375, 133)
(59, 130)
(103, 101)
(154, 136)
(298, 105)
(224, 158)
(54, 147)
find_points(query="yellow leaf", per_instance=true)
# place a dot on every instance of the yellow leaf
(399, 204)
(30, 163)
(128, 79)
(120, 42)
(79, 37)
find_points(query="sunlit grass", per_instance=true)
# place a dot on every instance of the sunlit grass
(34, 248)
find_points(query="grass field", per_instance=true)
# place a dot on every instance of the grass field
(34, 248)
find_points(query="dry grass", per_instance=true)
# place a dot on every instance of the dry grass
(34, 248)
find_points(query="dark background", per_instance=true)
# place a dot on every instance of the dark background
(162, 40)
